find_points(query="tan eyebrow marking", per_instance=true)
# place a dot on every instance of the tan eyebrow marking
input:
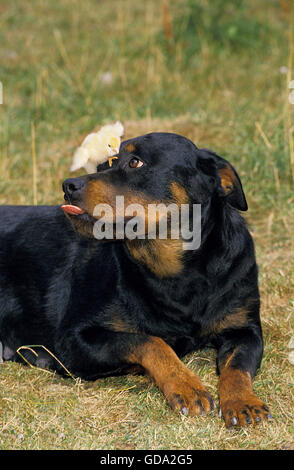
(130, 148)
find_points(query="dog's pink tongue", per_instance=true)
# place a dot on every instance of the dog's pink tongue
(73, 210)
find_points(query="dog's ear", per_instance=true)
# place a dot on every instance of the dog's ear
(230, 185)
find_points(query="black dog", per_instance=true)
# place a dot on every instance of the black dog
(105, 308)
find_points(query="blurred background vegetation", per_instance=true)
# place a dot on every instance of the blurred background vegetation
(215, 71)
(68, 66)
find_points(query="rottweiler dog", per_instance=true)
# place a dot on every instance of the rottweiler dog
(116, 306)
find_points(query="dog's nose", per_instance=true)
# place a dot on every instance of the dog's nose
(72, 188)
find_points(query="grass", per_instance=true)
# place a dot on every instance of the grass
(213, 74)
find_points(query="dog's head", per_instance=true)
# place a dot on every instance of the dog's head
(157, 168)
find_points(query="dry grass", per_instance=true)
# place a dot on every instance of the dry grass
(41, 411)
(52, 55)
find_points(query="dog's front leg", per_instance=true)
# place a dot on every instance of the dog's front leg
(238, 359)
(183, 390)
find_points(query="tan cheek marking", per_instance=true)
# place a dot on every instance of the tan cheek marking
(98, 192)
(163, 257)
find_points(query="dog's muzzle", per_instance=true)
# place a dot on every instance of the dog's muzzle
(73, 189)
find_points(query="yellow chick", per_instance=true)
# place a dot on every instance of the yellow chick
(97, 147)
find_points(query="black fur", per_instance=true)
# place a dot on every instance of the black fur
(62, 290)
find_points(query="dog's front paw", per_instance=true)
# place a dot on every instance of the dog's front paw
(244, 411)
(189, 396)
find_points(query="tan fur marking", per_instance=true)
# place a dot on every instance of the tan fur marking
(116, 323)
(180, 386)
(162, 257)
(239, 405)
(228, 178)
(234, 384)
(99, 192)
(237, 319)
(130, 148)
(179, 193)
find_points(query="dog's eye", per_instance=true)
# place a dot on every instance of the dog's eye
(135, 163)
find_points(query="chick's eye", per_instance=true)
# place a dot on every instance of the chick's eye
(135, 163)
(109, 145)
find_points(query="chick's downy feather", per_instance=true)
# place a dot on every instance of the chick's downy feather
(97, 147)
